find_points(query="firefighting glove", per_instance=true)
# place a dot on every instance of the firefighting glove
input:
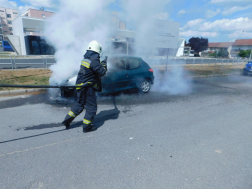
(104, 63)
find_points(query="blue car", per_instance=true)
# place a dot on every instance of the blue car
(6, 46)
(247, 70)
(124, 73)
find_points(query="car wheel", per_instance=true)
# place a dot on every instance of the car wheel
(144, 86)
(245, 73)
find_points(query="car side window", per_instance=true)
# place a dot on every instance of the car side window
(134, 63)
(117, 64)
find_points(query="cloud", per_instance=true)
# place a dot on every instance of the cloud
(162, 15)
(193, 33)
(238, 24)
(42, 3)
(239, 34)
(22, 9)
(211, 13)
(234, 9)
(229, 1)
(8, 4)
(194, 23)
(181, 12)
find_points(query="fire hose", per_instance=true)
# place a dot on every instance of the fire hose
(44, 86)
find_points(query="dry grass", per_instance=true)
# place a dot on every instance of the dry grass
(24, 77)
(205, 69)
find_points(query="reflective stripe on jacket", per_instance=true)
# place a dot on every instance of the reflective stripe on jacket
(90, 72)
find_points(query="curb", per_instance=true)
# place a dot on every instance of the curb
(3, 93)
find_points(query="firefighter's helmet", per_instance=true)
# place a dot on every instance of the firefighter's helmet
(95, 46)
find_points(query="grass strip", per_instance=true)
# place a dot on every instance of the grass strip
(24, 77)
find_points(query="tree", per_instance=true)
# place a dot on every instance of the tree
(213, 54)
(223, 53)
(244, 53)
(198, 44)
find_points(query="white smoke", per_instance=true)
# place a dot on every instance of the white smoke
(174, 81)
(71, 29)
(78, 22)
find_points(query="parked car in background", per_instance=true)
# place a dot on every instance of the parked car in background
(247, 70)
(6, 46)
(124, 72)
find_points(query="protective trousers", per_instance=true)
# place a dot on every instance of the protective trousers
(86, 98)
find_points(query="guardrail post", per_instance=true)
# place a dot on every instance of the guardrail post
(193, 61)
(43, 62)
(216, 62)
(221, 62)
(46, 62)
(11, 62)
(15, 62)
(201, 61)
(233, 63)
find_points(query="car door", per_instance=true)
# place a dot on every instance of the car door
(117, 77)
(134, 71)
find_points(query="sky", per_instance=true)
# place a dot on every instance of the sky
(217, 20)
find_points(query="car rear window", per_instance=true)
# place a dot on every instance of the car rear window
(134, 63)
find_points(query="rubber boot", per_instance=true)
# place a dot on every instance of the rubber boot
(67, 121)
(88, 128)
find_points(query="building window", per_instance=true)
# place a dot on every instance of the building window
(5, 31)
(4, 25)
(0, 25)
(43, 15)
(8, 15)
(9, 22)
(10, 29)
(1, 11)
(15, 13)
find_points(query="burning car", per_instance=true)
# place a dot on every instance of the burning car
(124, 73)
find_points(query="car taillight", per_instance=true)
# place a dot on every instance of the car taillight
(151, 70)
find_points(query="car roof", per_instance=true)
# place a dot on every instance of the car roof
(122, 56)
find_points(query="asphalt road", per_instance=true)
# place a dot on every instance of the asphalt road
(197, 140)
(38, 63)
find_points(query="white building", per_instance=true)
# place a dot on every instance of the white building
(26, 30)
(241, 44)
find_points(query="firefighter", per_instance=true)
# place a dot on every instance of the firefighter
(90, 73)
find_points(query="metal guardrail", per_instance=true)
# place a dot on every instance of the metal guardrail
(44, 64)
(47, 60)
(6, 63)
(161, 61)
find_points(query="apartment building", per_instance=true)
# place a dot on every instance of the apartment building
(1, 31)
(7, 16)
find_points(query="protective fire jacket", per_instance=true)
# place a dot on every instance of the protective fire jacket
(91, 71)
